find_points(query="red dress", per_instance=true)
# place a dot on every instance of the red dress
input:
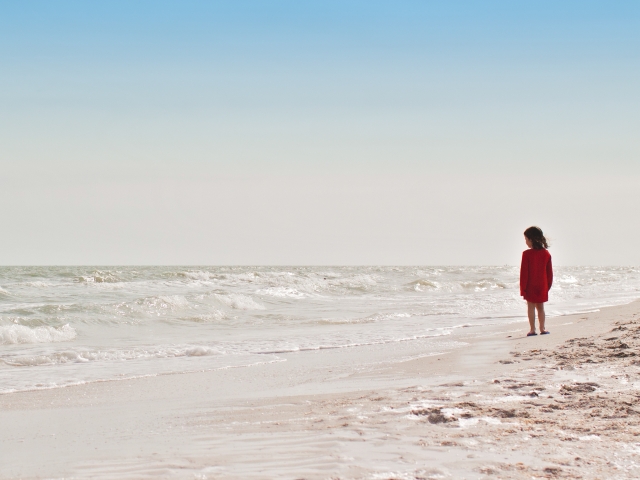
(536, 275)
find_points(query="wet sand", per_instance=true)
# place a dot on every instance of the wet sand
(563, 405)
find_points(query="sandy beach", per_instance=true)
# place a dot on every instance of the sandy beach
(301, 240)
(504, 406)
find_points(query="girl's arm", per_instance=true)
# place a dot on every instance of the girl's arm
(524, 275)
(549, 273)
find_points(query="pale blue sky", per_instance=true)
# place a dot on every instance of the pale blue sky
(318, 132)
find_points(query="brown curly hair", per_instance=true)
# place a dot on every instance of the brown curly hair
(537, 238)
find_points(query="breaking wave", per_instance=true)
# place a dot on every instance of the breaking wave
(239, 301)
(15, 334)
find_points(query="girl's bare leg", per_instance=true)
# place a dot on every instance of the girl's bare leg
(531, 310)
(541, 316)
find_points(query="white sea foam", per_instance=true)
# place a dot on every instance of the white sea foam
(356, 282)
(15, 334)
(239, 301)
(212, 316)
(156, 305)
(38, 284)
(100, 277)
(111, 355)
(197, 275)
(173, 300)
(422, 285)
(282, 292)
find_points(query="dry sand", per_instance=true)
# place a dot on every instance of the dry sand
(563, 405)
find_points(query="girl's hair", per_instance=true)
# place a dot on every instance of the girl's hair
(537, 238)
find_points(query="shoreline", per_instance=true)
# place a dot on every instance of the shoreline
(486, 408)
(487, 327)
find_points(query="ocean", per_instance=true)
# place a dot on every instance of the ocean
(62, 326)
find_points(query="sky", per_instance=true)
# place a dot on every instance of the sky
(318, 132)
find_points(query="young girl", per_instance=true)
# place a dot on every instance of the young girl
(536, 277)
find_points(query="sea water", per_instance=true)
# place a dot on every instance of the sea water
(62, 326)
